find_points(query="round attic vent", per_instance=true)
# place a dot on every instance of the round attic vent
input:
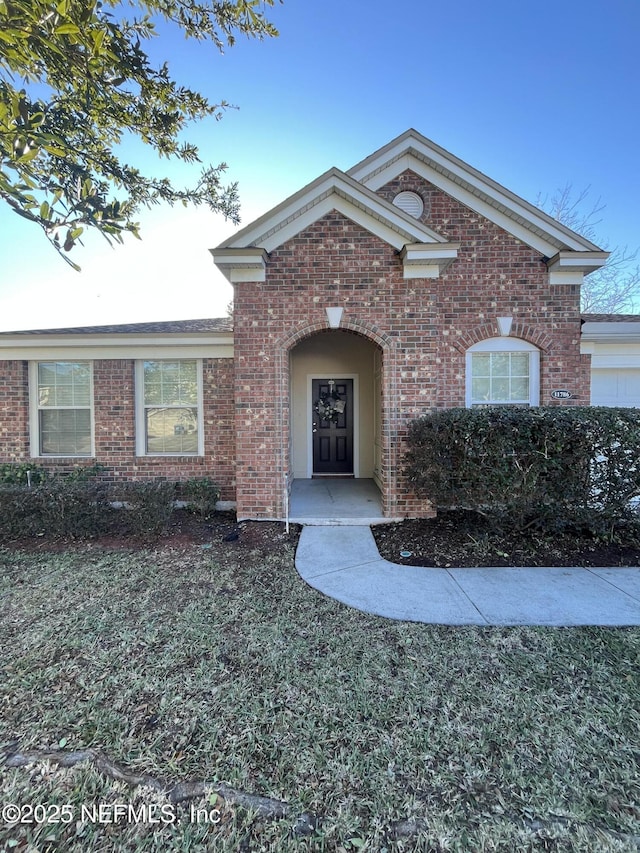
(411, 203)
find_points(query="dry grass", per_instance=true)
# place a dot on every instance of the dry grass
(220, 664)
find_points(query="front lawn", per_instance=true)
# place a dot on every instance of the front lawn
(214, 662)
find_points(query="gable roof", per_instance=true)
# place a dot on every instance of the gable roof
(334, 190)
(411, 150)
(424, 252)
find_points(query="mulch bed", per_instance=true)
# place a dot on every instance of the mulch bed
(184, 529)
(457, 539)
(453, 539)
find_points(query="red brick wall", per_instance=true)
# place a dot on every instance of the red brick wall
(14, 411)
(423, 326)
(114, 414)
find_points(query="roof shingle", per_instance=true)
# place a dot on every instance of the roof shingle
(216, 324)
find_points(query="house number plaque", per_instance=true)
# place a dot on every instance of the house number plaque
(561, 395)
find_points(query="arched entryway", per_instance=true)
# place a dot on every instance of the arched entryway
(342, 370)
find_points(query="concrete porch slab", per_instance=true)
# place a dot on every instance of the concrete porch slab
(335, 501)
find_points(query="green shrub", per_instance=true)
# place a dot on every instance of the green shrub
(547, 466)
(21, 474)
(148, 505)
(82, 473)
(201, 496)
(54, 508)
(81, 507)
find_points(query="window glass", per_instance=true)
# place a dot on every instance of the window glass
(481, 364)
(519, 364)
(481, 388)
(171, 406)
(500, 388)
(500, 363)
(519, 387)
(500, 377)
(64, 408)
(65, 432)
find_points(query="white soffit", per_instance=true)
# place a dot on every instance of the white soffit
(332, 191)
(412, 151)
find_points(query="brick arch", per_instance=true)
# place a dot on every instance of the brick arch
(367, 330)
(539, 338)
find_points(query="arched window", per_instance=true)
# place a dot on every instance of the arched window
(503, 372)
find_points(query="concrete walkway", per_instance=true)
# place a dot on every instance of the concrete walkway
(343, 562)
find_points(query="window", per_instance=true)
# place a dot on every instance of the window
(62, 408)
(169, 407)
(503, 372)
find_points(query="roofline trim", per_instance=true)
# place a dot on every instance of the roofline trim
(454, 173)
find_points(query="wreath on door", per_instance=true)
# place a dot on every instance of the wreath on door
(329, 406)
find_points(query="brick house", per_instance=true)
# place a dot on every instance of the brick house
(408, 283)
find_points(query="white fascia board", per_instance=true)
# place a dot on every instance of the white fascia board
(245, 256)
(63, 348)
(610, 332)
(472, 188)
(611, 361)
(584, 262)
(469, 199)
(430, 251)
(427, 260)
(354, 212)
(245, 264)
(237, 275)
(332, 191)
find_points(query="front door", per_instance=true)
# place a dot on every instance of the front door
(332, 419)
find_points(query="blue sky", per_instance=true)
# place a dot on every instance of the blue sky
(534, 95)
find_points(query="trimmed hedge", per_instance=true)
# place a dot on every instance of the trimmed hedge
(55, 507)
(552, 466)
(78, 505)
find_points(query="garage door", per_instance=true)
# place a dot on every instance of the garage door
(615, 387)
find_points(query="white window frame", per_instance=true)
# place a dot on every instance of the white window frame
(141, 438)
(34, 409)
(504, 344)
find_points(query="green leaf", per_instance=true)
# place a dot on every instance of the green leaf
(98, 37)
(67, 30)
(56, 150)
(29, 154)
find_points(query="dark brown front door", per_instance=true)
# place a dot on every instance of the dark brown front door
(332, 418)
